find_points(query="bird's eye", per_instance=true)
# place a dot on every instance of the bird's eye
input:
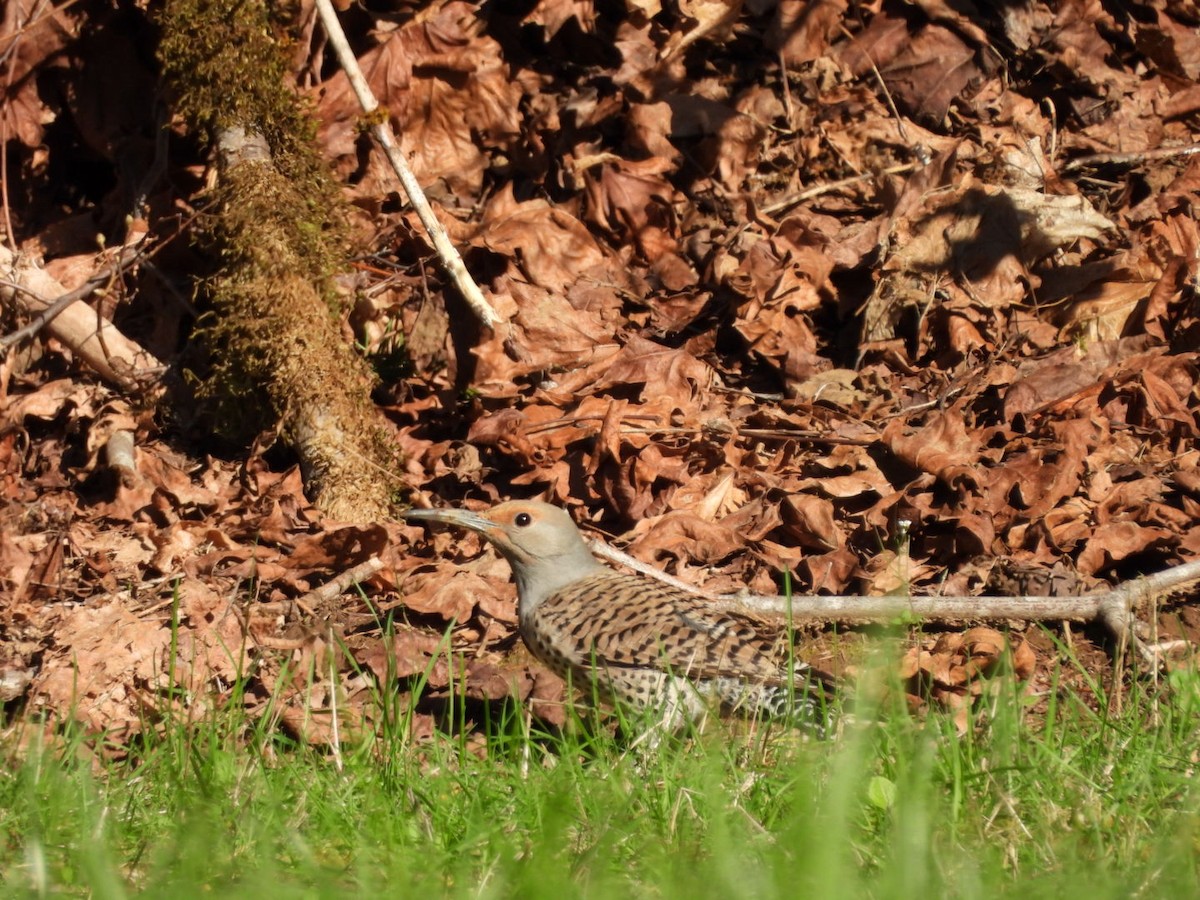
(522, 519)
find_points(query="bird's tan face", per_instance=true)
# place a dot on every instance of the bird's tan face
(534, 530)
(540, 542)
(525, 531)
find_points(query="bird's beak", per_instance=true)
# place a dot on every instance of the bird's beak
(463, 518)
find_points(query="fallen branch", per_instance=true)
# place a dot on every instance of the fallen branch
(819, 189)
(49, 313)
(91, 337)
(1114, 609)
(382, 131)
(337, 586)
(332, 589)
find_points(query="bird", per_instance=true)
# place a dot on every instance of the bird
(635, 640)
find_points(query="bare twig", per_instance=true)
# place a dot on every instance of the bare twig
(49, 313)
(782, 434)
(818, 189)
(612, 554)
(335, 741)
(332, 589)
(382, 131)
(1129, 159)
(1114, 608)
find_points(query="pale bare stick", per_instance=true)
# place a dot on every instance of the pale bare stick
(1129, 159)
(120, 457)
(621, 558)
(92, 338)
(335, 741)
(48, 313)
(1113, 608)
(382, 131)
(333, 589)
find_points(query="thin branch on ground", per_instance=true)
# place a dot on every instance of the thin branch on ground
(829, 187)
(1114, 609)
(1128, 159)
(334, 588)
(120, 456)
(621, 558)
(51, 311)
(382, 131)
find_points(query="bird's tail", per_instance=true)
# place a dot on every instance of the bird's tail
(806, 701)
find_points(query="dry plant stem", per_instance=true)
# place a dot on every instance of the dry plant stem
(612, 554)
(1114, 608)
(817, 190)
(334, 683)
(382, 131)
(93, 339)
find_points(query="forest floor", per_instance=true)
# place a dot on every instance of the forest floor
(885, 297)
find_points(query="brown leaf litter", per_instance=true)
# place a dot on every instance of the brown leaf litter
(781, 285)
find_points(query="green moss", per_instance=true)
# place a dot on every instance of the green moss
(276, 227)
(226, 65)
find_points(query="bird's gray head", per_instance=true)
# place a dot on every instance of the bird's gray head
(540, 542)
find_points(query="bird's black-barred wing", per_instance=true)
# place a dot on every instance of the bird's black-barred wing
(609, 619)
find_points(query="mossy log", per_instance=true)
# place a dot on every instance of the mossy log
(279, 357)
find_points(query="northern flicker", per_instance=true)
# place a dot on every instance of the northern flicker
(638, 641)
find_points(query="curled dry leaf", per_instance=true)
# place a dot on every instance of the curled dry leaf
(684, 536)
(943, 448)
(952, 669)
